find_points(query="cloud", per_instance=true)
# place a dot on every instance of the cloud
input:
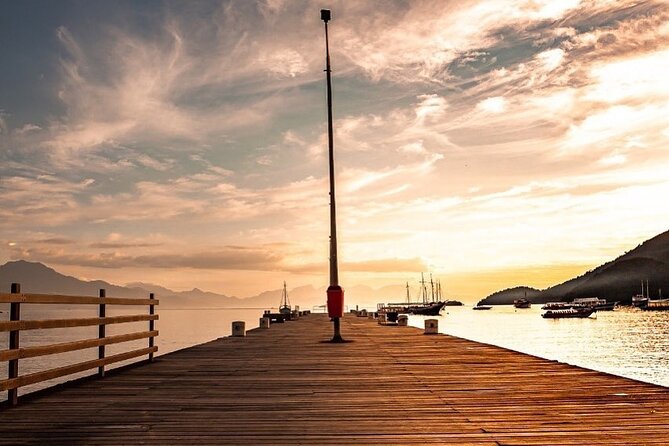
(387, 265)
(112, 245)
(285, 63)
(226, 258)
(56, 241)
(551, 59)
(413, 265)
(27, 128)
(47, 199)
(495, 104)
(430, 108)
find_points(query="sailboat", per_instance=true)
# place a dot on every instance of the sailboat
(523, 302)
(429, 307)
(284, 306)
(652, 304)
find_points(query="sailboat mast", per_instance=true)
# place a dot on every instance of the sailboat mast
(432, 287)
(284, 297)
(423, 290)
(408, 296)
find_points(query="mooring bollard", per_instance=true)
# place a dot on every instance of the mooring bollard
(239, 328)
(264, 322)
(431, 326)
(403, 320)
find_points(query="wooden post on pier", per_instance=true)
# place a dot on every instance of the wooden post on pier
(13, 366)
(151, 325)
(101, 332)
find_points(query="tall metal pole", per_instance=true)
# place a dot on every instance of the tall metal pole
(334, 290)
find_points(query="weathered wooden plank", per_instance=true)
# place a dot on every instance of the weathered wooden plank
(75, 300)
(67, 323)
(31, 352)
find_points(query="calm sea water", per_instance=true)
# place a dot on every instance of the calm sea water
(179, 328)
(626, 342)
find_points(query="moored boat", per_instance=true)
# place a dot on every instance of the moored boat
(556, 306)
(284, 306)
(482, 307)
(639, 300)
(429, 309)
(656, 305)
(594, 302)
(522, 303)
(431, 304)
(569, 313)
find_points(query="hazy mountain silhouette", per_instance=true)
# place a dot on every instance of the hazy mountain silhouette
(617, 280)
(510, 294)
(36, 277)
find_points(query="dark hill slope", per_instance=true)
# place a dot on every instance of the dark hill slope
(617, 280)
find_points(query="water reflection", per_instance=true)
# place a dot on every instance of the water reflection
(626, 342)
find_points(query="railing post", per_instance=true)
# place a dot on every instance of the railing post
(13, 366)
(151, 325)
(101, 333)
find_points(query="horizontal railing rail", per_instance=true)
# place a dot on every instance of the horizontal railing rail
(15, 325)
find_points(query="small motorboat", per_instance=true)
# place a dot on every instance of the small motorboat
(569, 313)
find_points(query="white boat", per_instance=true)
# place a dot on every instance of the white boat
(594, 302)
(582, 312)
(639, 300)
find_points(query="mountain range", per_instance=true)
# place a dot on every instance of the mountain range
(36, 277)
(617, 280)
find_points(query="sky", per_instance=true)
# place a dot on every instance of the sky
(491, 143)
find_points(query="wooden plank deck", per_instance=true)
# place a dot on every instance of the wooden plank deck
(392, 385)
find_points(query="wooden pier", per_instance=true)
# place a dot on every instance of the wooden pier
(391, 385)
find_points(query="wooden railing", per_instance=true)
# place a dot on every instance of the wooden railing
(15, 325)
